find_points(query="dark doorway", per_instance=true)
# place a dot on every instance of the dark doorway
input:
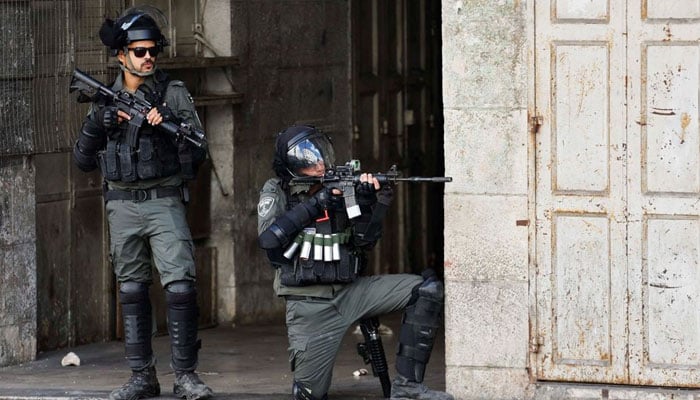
(397, 119)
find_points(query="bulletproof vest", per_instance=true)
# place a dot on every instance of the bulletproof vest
(147, 153)
(323, 252)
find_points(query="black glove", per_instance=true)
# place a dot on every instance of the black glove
(326, 200)
(107, 117)
(385, 194)
(365, 193)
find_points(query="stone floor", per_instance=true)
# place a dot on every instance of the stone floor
(243, 362)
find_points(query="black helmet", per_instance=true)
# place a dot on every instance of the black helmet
(136, 23)
(301, 146)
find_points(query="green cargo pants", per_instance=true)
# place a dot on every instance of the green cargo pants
(316, 326)
(152, 232)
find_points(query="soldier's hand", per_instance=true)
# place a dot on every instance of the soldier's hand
(329, 199)
(154, 117)
(370, 180)
(121, 116)
(366, 190)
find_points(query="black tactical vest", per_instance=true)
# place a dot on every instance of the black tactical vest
(155, 154)
(323, 253)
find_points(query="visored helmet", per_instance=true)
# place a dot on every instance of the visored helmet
(134, 24)
(301, 147)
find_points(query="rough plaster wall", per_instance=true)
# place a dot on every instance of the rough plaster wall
(220, 128)
(294, 67)
(17, 261)
(486, 253)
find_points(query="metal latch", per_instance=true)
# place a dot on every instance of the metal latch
(535, 123)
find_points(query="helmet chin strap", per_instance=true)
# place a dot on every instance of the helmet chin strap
(133, 70)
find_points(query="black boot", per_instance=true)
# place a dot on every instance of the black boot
(142, 384)
(183, 314)
(188, 386)
(403, 389)
(418, 329)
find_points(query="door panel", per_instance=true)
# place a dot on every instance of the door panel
(618, 182)
(394, 97)
(581, 279)
(664, 186)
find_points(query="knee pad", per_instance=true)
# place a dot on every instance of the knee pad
(132, 294)
(300, 392)
(419, 327)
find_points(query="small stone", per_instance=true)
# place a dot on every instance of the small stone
(360, 372)
(70, 359)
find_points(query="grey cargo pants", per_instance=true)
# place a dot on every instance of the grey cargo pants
(153, 231)
(315, 326)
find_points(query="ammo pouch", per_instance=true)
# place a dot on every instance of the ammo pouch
(312, 272)
(109, 161)
(118, 162)
(149, 165)
(156, 157)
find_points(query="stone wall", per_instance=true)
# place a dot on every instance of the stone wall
(17, 261)
(17, 213)
(486, 207)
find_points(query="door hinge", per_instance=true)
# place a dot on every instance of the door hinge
(535, 343)
(535, 123)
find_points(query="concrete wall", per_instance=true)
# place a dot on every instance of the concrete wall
(486, 249)
(17, 261)
(220, 128)
(17, 214)
(294, 68)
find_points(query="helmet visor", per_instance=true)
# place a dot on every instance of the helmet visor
(310, 155)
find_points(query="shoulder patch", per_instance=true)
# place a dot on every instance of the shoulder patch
(265, 205)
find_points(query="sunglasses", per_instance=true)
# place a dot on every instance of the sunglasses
(140, 52)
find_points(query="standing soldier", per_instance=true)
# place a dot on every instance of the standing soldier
(144, 172)
(321, 282)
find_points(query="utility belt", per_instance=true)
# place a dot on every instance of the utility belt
(317, 258)
(140, 195)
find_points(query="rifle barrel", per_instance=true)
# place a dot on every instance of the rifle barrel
(383, 178)
(434, 179)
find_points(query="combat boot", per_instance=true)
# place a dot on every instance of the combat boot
(188, 386)
(141, 385)
(403, 389)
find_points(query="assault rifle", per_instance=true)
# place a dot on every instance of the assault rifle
(372, 351)
(136, 106)
(346, 177)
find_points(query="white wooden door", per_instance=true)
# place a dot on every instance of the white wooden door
(580, 190)
(618, 191)
(664, 192)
